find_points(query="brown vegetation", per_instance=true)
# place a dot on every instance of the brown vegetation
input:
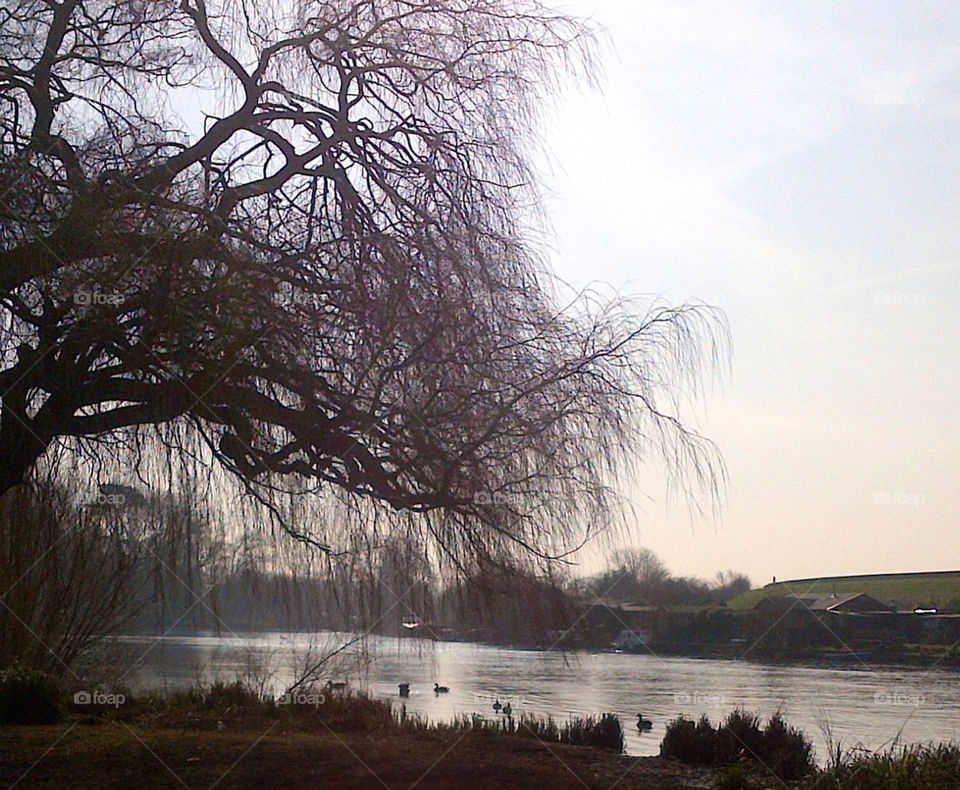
(95, 757)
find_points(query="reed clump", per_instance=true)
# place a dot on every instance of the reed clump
(776, 749)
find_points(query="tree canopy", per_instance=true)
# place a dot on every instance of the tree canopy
(296, 239)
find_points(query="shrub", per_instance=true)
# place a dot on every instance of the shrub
(734, 777)
(605, 732)
(786, 751)
(690, 742)
(28, 696)
(739, 737)
(927, 767)
(218, 696)
(778, 748)
(354, 710)
(231, 695)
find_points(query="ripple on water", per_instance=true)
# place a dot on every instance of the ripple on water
(870, 706)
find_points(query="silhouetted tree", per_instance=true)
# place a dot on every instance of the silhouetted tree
(290, 237)
(640, 576)
(730, 584)
(633, 575)
(505, 606)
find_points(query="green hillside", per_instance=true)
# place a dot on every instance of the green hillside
(906, 590)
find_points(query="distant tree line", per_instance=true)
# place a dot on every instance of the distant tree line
(640, 576)
(117, 560)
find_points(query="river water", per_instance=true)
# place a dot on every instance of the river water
(873, 707)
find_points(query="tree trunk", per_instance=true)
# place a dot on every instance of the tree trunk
(20, 445)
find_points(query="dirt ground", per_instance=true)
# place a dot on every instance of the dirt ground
(117, 755)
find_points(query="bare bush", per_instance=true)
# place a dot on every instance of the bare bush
(67, 569)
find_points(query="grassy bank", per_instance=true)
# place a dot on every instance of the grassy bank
(116, 754)
(908, 589)
(226, 735)
(120, 756)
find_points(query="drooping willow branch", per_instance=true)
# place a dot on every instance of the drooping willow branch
(325, 280)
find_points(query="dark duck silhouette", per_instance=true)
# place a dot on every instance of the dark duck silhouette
(440, 689)
(497, 707)
(643, 724)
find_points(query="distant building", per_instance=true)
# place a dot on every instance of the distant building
(846, 603)
(844, 621)
(849, 602)
(630, 640)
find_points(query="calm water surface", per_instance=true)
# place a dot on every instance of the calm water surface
(873, 707)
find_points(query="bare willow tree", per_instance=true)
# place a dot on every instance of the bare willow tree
(294, 238)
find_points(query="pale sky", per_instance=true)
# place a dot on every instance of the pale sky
(795, 164)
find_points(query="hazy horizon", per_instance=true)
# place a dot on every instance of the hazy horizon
(795, 166)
